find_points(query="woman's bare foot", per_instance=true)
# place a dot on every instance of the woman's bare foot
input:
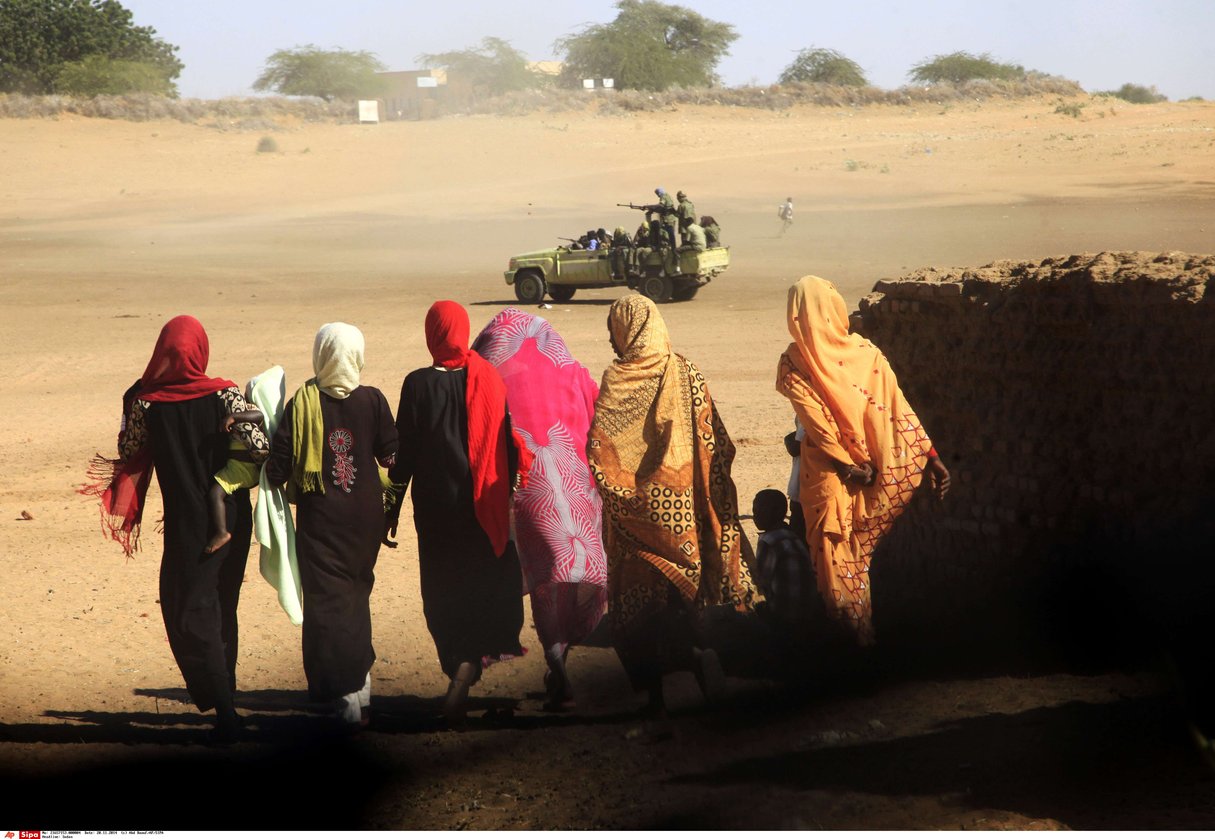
(455, 703)
(557, 687)
(218, 541)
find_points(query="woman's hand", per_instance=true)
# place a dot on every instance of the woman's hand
(390, 532)
(938, 476)
(856, 475)
(793, 445)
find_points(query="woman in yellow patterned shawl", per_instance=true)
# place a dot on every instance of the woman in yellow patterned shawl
(864, 452)
(661, 459)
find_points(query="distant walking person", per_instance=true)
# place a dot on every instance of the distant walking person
(785, 213)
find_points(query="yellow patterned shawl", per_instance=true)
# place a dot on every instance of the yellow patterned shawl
(661, 458)
(849, 402)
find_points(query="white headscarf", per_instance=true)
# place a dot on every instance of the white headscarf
(337, 358)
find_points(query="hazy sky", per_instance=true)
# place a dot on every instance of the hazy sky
(1099, 43)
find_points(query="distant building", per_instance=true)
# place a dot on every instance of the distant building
(413, 94)
(426, 94)
(546, 68)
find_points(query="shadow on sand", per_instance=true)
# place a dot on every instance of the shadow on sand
(1126, 764)
(293, 768)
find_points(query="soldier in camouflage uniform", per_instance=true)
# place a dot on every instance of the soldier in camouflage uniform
(694, 238)
(621, 254)
(667, 215)
(687, 215)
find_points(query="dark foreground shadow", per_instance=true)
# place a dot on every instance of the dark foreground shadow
(1122, 765)
(292, 768)
(318, 784)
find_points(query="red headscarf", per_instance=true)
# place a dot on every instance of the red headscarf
(485, 397)
(176, 372)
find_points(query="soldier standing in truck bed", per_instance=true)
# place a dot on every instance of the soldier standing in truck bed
(668, 216)
(687, 215)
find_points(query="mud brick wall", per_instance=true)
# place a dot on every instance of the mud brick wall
(1074, 402)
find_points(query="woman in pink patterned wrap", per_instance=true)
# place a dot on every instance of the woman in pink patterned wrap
(558, 515)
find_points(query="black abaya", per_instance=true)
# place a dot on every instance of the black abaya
(472, 599)
(338, 536)
(198, 591)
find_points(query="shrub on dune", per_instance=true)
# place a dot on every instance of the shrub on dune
(1136, 94)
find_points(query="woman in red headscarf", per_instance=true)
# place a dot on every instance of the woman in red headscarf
(457, 447)
(173, 425)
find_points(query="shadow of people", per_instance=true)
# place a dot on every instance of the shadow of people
(304, 782)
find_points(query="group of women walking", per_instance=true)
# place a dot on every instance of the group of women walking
(525, 477)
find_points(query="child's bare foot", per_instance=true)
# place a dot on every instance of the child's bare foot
(222, 538)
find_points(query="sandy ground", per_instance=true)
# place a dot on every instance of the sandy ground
(108, 229)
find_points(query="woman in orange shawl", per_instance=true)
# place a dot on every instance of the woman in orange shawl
(661, 458)
(864, 452)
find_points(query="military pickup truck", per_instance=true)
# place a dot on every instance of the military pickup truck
(659, 273)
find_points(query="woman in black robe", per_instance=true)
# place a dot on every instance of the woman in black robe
(458, 449)
(334, 435)
(173, 425)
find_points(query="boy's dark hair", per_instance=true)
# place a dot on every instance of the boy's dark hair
(769, 507)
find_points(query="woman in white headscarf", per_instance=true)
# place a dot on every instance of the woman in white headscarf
(334, 435)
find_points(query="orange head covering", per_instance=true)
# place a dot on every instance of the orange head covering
(853, 379)
(637, 330)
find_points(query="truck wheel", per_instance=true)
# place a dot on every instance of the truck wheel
(529, 287)
(561, 293)
(686, 293)
(657, 289)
